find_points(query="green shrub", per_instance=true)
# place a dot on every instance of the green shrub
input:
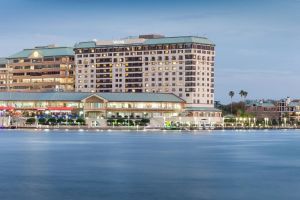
(42, 121)
(52, 121)
(145, 121)
(81, 121)
(60, 120)
(70, 121)
(120, 121)
(30, 121)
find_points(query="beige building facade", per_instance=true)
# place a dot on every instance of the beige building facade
(46, 68)
(5, 75)
(182, 65)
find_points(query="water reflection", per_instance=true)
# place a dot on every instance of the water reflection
(149, 165)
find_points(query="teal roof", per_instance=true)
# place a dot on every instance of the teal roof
(143, 97)
(259, 103)
(45, 52)
(207, 109)
(156, 41)
(3, 61)
(178, 40)
(78, 96)
(294, 103)
(85, 44)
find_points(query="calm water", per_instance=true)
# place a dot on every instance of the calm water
(149, 165)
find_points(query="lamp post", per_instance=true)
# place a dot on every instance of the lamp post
(223, 122)
(128, 121)
(67, 119)
(180, 122)
(284, 119)
(249, 122)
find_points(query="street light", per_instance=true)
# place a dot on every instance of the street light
(284, 119)
(179, 121)
(67, 119)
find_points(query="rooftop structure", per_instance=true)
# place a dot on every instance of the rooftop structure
(43, 51)
(78, 96)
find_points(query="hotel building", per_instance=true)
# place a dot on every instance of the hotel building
(181, 65)
(4, 74)
(46, 68)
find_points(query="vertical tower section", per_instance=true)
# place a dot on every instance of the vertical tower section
(182, 65)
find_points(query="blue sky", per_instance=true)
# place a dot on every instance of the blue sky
(257, 41)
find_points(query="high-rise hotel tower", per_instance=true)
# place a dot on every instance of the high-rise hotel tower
(181, 65)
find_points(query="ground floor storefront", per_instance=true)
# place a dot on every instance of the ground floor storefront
(102, 110)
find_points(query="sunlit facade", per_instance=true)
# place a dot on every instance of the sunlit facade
(47, 68)
(5, 76)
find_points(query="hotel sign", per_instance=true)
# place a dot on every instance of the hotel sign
(118, 42)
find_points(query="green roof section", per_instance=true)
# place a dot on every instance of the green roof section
(78, 96)
(259, 103)
(204, 109)
(44, 52)
(155, 41)
(90, 44)
(3, 61)
(141, 97)
(179, 40)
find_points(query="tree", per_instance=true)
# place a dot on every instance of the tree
(52, 121)
(80, 121)
(42, 121)
(241, 93)
(245, 94)
(30, 121)
(231, 94)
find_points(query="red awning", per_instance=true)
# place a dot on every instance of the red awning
(40, 109)
(6, 108)
(60, 108)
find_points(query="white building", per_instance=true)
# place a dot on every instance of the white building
(181, 65)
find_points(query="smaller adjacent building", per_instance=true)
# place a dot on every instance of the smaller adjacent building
(40, 69)
(289, 109)
(262, 109)
(280, 110)
(4, 74)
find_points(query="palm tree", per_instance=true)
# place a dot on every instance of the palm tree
(231, 94)
(245, 94)
(241, 93)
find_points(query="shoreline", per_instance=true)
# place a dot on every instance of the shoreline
(85, 128)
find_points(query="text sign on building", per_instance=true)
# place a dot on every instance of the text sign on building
(118, 41)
